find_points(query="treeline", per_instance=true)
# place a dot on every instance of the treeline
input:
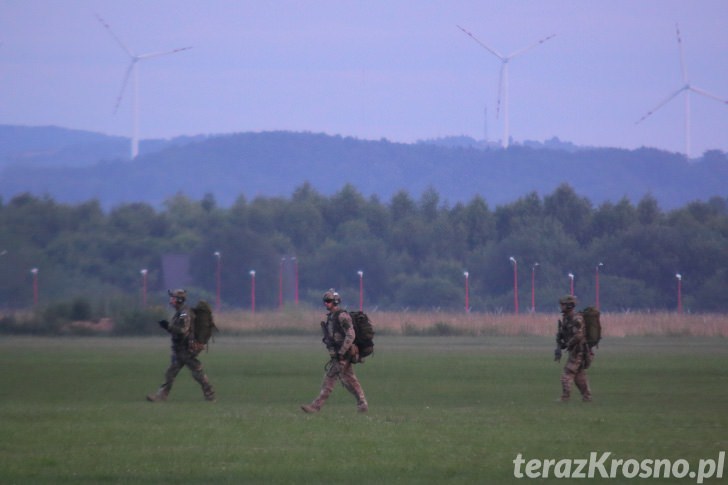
(412, 253)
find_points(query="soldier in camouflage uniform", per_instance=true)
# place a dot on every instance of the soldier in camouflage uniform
(181, 331)
(571, 336)
(339, 340)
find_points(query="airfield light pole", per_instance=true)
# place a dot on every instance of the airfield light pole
(679, 292)
(252, 291)
(218, 269)
(3, 252)
(467, 292)
(571, 284)
(596, 278)
(361, 290)
(295, 265)
(144, 287)
(280, 282)
(34, 272)
(515, 284)
(533, 287)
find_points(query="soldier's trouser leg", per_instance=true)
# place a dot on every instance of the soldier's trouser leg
(351, 383)
(571, 369)
(198, 374)
(169, 376)
(566, 379)
(345, 374)
(327, 386)
(582, 383)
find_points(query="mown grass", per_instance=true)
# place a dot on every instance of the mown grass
(442, 410)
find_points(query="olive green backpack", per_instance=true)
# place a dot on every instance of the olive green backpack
(593, 326)
(204, 325)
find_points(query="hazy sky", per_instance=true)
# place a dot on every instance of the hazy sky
(395, 69)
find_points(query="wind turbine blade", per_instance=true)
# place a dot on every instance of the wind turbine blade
(157, 54)
(118, 41)
(492, 51)
(707, 94)
(683, 70)
(518, 53)
(662, 103)
(123, 85)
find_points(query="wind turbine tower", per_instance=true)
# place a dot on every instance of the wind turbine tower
(503, 79)
(133, 71)
(485, 125)
(687, 88)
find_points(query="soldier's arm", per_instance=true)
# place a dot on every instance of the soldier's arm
(579, 336)
(559, 334)
(182, 324)
(349, 335)
(328, 340)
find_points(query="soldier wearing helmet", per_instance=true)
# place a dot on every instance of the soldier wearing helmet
(182, 355)
(571, 335)
(339, 335)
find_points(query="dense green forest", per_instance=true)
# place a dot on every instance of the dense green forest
(412, 252)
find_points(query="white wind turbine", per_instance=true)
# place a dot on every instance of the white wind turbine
(686, 87)
(133, 69)
(503, 79)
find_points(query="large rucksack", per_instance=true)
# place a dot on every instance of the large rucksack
(204, 325)
(592, 326)
(363, 330)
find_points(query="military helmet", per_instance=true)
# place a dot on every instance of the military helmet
(569, 300)
(332, 295)
(180, 295)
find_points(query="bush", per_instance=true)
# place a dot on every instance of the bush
(79, 317)
(443, 329)
(9, 324)
(80, 310)
(138, 321)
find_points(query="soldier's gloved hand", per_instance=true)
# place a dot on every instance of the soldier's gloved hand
(164, 324)
(557, 354)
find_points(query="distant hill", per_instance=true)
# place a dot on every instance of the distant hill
(44, 146)
(72, 167)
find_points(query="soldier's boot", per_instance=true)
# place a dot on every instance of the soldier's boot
(310, 408)
(362, 406)
(208, 392)
(317, 403)
(204, 382)
(361, 401)
(159, 396)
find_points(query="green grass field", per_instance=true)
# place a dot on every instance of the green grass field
(442, 410)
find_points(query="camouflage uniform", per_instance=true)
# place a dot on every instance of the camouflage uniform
(339, 340)
(180, 328)
(571, 336)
